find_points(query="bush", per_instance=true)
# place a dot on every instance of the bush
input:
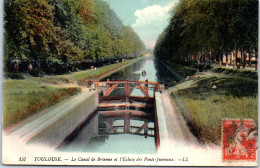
(37, 73)
(17, 75)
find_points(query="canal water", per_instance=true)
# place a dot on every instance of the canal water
(93, 138)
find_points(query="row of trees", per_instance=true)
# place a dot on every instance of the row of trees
(205, 30)
(61, 35)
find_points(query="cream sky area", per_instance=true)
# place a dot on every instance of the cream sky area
(147, 17)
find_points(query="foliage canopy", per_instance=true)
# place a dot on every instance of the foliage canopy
(61, 35)
(210, 28)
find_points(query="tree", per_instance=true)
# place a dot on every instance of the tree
(203, 30)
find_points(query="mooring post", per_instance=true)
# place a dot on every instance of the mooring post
(127, 123)
(146, 131)
(127, 90)
(146, 85)
(96, 86)
(108, 85)
(155, 89)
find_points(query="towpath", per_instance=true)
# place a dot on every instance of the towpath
(173, 128)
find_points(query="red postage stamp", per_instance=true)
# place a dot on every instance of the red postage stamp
(239, 140)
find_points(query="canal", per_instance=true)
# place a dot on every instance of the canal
(92, 136)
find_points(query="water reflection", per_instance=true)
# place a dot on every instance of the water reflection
(128, 73)
(155, 71)
(163, 74)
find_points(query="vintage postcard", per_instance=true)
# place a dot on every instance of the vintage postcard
(130, 82)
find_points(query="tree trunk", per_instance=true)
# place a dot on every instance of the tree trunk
(242, 57)
(231, 58)
(210, 55)
(256, 59)
(245, 56)
(221, 57)
(250, 56)
(215, 56)
(202, 56)
(226, 59)
(199, 57)
(235, 58)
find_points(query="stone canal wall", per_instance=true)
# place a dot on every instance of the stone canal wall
(73, 114)
(156, 124)
(159, 119)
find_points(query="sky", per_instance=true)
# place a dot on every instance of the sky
(148, 18)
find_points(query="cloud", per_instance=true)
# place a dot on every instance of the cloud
(151, 15)
(150, 22)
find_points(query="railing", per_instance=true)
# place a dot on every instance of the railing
(107, 87)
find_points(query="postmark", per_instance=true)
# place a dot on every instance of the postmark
(239, 140)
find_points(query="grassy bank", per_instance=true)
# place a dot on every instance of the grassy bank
(204, 106)
(23, 98)
(94, 73)
(80, 77)
(237, 72)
